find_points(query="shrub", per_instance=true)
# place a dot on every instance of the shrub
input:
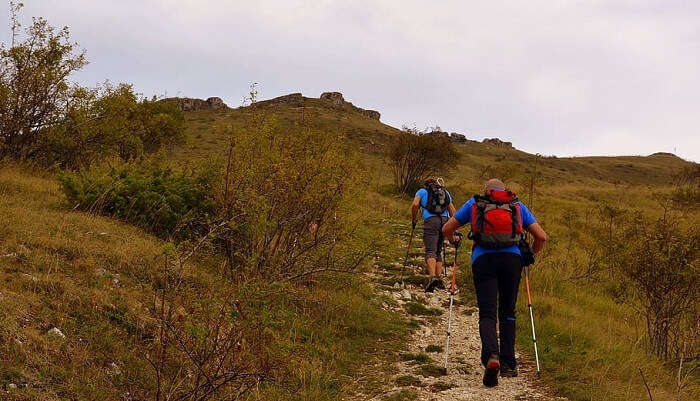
(686, 192)
(292, 199)
(415, 156)
(162, 201)
(661, 263)
(108, 122)
(44, 118)
(33, 82)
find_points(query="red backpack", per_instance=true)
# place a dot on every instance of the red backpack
(496, 219)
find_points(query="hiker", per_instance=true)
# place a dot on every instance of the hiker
(437, 206)
(498, 223)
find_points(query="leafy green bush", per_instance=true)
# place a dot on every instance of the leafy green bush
(108, 122)
(45, 118)
(164, 202)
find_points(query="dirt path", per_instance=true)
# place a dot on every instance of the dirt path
(420, 375)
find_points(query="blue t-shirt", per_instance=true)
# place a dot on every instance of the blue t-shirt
(423, 193)
(464, 216)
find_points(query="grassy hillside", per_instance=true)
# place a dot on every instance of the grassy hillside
(206, 138)
(96, 279)
(592, 346)
(205, 128)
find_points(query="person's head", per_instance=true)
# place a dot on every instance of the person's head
(493, 183)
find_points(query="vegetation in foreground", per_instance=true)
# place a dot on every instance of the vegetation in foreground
(238, 292)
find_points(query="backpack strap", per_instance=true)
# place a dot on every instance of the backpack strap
(513, 218)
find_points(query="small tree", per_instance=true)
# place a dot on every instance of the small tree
(34, 87)
(46, 119)
(110, 121)
(415, 156)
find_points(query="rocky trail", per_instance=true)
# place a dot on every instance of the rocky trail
(420, 374)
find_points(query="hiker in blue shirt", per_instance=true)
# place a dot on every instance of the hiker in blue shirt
(495, 217)
(437, 206)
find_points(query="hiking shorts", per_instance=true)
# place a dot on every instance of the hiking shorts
(432, 237)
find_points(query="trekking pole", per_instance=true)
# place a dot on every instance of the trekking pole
(532, 319)
(449, 316)
(408, 249)
(444, 260)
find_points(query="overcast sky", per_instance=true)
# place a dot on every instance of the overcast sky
(554, 77)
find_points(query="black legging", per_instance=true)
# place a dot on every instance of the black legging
(497, 277)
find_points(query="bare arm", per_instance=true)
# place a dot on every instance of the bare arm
(539, 235)
(451, 209)
(448, 230)
(415, 206)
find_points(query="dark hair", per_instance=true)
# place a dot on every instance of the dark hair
(429, 181)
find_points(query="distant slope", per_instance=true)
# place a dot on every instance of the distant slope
(206, 136)
(207, 139)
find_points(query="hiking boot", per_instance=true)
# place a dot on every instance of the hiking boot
(491, 372)
(507, 371)
(440, 284)
(434, 282)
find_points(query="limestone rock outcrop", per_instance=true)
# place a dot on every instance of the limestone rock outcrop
(497, 142)
(292, 98)
(454, 137)
(336, 99)
(459, 138)
(216, 103)
(373, 114)
(192, 104)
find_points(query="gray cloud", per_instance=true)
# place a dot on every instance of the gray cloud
(554, 77)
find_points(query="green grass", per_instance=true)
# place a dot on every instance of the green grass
(430, 370)
(408, 380)
(417, 308)
(434, 348)
(419, 357)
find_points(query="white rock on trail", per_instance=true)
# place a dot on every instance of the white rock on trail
(56, 333)
(113, 369)
(406, 295)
